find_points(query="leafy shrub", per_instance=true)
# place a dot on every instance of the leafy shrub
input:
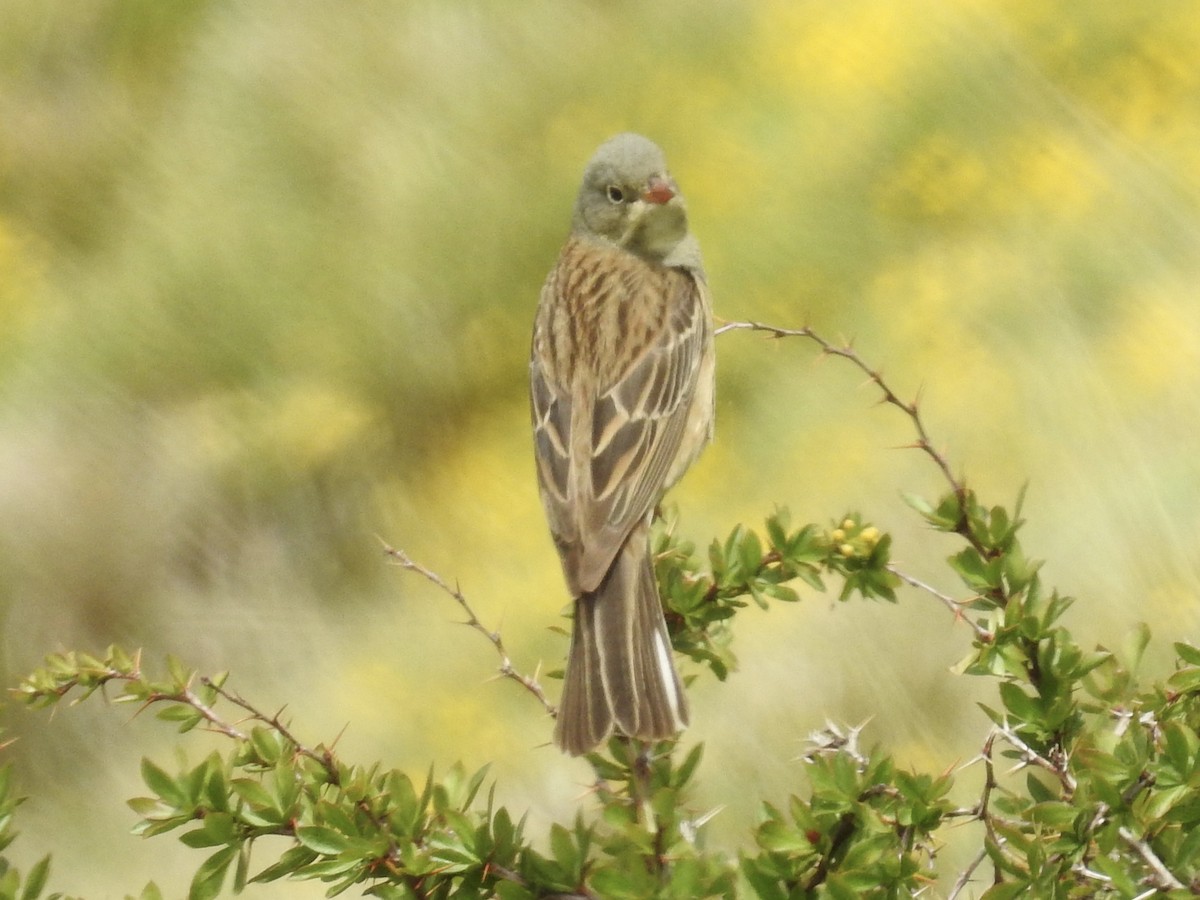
(1091, 782)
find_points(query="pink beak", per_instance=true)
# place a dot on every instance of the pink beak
(658, 191)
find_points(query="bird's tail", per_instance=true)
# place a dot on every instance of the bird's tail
(620, 669)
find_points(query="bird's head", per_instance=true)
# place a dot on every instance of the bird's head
(629, 198)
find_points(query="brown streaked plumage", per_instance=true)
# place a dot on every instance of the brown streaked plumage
(621, 381)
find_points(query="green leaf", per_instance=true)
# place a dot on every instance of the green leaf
(920, 504)
(782, 592)
(765, 884)
(179, 675)
(1181, 746)
(1188, 653)
(779, 837)
(1189, 849)
(162, 784)
(1135, 645)
(1185, 681)
(1056, 815)
(267, 744)
(776, 530)
(242, 870)
(408, 813)
(563, 848)
(291, 861)
(1023, 707)
(427, 790)
(750, 553)
(322, 840)
(150, 828)
(1005, 891)
(178, 712)
(473, 787)
(688, 767)
(253, 793)
(145, 806)
(509, 890)
(811, 578)
(206, 885)
(198, 838)
(334, 866)
(35, 881)
(972, 569)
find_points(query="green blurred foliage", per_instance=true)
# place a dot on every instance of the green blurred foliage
(266, 278)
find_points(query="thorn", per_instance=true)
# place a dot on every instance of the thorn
(972, 761)
(704, 818)
(593, 788)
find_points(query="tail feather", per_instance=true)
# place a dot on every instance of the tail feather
(584, 719)
(620, 669)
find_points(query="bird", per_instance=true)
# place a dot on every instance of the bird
(622, 387)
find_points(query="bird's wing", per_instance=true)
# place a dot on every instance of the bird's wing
(596, 487)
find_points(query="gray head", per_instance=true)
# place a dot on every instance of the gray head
(629, 198)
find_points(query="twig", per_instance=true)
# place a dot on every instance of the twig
(984, 814)
(955, 606)
(506, 668)
(1029, 756)
(964, 877)
(1163, 878)
(275, 723)
(911, 410)
(990, 784)
(1083, 871)
(189, 697)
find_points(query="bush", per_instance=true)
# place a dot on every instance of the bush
(1090, 788)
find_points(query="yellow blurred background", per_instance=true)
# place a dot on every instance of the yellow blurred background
(267, 273)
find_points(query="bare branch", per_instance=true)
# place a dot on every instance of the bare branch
(964, 877)
(506, 668)
(955, 606)
(911, 409)
(1163, 878)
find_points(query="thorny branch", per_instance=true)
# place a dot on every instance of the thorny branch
(98, 675)
(506, 668)
(910, 409)
(189, 698)
(1163, 878)
(955, 606)
(1055, 763)
(1030, 757)
(324, 757)
(964, 877)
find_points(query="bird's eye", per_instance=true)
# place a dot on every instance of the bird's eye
(615, 194)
